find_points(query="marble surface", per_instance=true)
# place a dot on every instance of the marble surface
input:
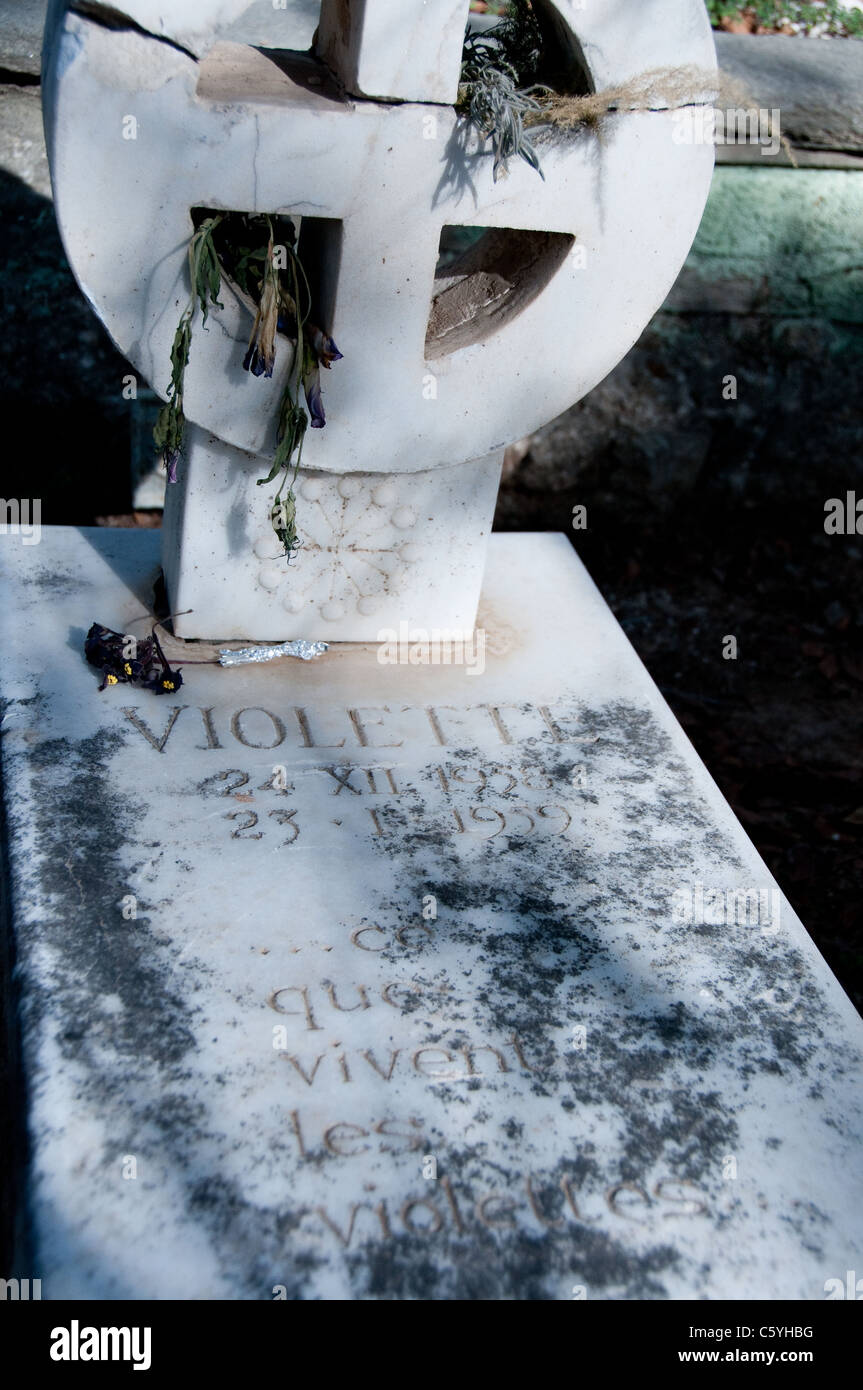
(236, 132)
(438, 371)
(346, 979)
(377, 549)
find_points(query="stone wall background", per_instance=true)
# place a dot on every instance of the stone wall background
(705, 516)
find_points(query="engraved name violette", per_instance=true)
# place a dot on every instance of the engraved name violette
(389, 803)
(362, 727)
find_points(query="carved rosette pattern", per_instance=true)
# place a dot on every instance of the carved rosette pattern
(358, 544)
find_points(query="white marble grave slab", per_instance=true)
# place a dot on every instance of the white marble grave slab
(282, 1076)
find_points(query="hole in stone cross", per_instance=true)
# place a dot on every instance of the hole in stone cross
(537, 44)
(562, 64)
(485, 276)
(241, 241)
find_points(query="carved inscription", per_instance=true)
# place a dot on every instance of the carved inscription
(391, 814)
(382, 727)
(535, 1201)
(497, 773)
(477, 797)
(542, 1201)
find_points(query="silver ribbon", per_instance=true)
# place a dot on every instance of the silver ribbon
(304, 650)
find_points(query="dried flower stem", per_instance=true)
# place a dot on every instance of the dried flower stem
(206, 281)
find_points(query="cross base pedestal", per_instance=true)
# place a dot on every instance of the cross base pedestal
(377, 550)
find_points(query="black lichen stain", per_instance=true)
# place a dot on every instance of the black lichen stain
(559, 1252)
(84, 820)
(138, 1060)
(82, 951)
(258, 1246)
(538, 922)
(51, 582)
(513, 1266)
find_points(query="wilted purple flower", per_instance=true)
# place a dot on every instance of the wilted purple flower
(253, 363)
(261, 354)
(312, 388)
(172, 458)
(323, 346)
